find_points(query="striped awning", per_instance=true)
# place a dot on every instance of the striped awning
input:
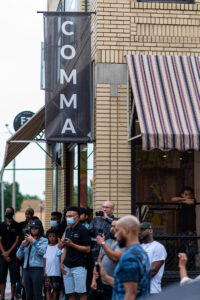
(166, 92)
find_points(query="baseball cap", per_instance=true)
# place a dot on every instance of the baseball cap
(146, 225)
(36, 224)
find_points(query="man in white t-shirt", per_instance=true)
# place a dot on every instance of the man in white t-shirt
(157, 256)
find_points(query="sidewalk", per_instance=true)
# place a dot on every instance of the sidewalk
(8, 291)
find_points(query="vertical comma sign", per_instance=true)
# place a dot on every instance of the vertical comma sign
(67, 109)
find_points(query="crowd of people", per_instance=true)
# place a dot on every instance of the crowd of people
(103, 258)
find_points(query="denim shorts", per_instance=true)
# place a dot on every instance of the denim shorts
(75, 280)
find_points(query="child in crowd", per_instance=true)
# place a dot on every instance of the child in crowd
(51, 261)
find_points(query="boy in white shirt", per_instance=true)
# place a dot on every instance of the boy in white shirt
(52, 273)
(157, 256)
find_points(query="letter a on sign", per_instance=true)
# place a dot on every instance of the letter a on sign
(68, 105)
(68, 126)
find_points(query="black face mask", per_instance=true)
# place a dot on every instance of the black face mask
(9, 215)
(122, 242)
(112, 236)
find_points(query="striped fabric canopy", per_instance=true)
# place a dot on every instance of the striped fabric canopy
(166, 91)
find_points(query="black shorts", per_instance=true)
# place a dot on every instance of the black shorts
(4, 266)
(53, 282)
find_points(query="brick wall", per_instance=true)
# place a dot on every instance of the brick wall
(112, 161)
(120, 28)
(147, 28)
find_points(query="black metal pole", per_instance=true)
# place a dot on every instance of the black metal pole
(69, 176)
(55, 187)
(133, 171)
(79, 176)
(85, 5)
(133, 179)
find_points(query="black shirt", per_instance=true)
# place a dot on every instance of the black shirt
(23, 224)
(99, 224)
(187, 218)
(9, 234)
(78, 235)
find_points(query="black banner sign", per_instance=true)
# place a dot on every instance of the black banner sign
(68, 107)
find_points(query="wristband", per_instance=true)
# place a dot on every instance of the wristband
(103, 243)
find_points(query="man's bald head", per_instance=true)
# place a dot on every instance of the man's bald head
(127, 231)
(109, 203)
(130, 222)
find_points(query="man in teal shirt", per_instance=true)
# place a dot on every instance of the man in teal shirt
(132, 275)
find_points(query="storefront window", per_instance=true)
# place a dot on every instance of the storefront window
(83, 175)
(71, 5)
(161, 176)
(68, 5)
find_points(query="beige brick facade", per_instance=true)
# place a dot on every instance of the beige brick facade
(127, 26)
(112, 152)
(121, 27)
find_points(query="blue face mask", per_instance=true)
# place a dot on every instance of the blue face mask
(70, 221)
(53, 223)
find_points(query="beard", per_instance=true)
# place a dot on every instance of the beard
(122, 242)
(144, 239)
(112, 236)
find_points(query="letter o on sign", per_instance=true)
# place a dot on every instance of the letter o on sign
(73, 52)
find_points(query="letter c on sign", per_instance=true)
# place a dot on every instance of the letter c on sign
(73, 52)
(64, 28)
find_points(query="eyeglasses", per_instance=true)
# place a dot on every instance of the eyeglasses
(106, 207)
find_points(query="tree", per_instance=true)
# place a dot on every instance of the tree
(30, 197)
(8, 195)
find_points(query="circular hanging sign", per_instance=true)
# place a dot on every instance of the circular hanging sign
(22, 118)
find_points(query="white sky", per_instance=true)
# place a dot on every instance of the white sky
(21, 33)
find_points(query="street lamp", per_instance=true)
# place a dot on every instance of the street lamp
(14, 185)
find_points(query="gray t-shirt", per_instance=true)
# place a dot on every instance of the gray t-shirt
(107, 263)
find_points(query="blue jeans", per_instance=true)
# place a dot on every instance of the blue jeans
(33, 283)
